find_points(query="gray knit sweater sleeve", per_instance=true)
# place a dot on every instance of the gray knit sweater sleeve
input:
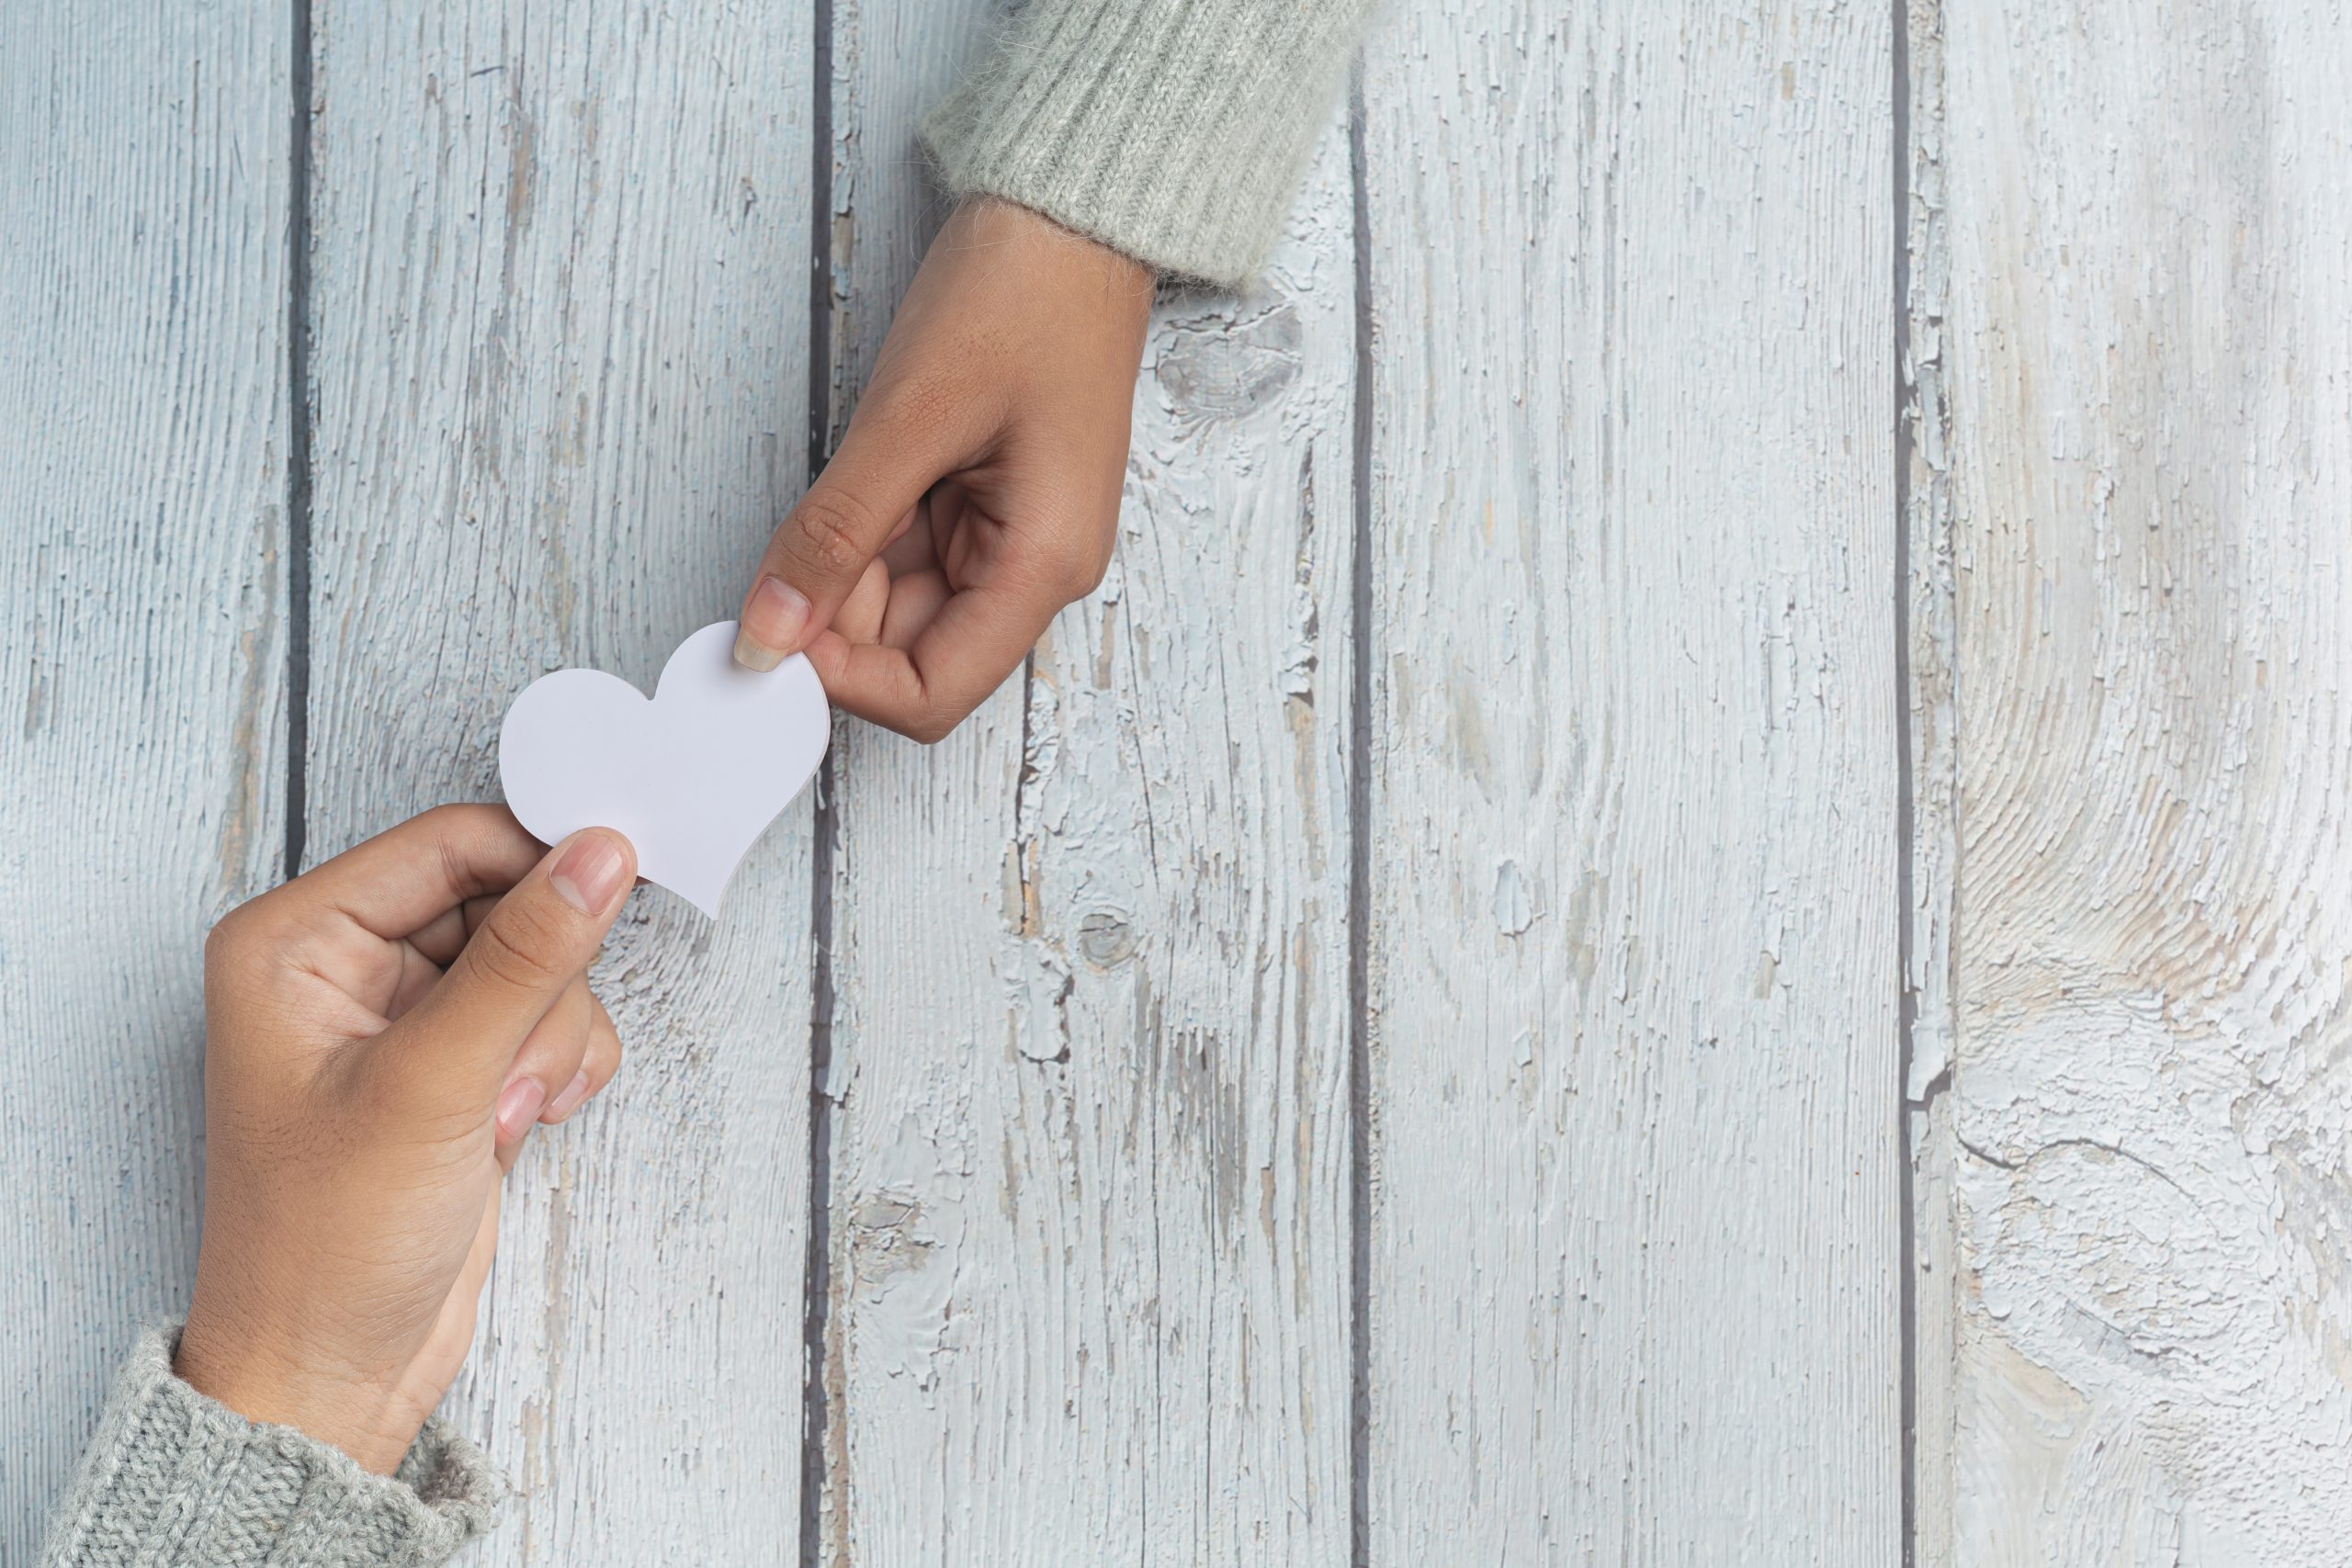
(175, 1480)
(1174, 130)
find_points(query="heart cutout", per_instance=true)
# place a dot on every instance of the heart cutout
(692, 776)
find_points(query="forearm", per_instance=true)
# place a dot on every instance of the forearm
(1172, 131)
(174, 1479)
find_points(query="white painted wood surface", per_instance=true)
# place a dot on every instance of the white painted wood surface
(560, 313)
(2143, 359)
(143, 181)
(1923, 462)
(1761, 762)
(1634, 927)
(1089, 1273)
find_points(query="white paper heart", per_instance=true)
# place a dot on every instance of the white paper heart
(691, 777)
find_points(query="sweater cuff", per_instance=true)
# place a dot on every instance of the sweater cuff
(1174, 130)
(175, 1479)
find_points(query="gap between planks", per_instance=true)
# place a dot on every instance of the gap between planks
(297, 433)
(1906, 999)
(1359, 860)
(817, 1325)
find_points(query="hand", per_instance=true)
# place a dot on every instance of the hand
(380, 1033)
(977, 490)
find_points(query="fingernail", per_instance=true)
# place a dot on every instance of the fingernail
(771, 625)
(589, 873)
(518, 1108)
(564, 1104)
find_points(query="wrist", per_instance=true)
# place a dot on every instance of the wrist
(361, 1416)
(990, 221)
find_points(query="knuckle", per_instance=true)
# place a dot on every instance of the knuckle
(933, 723)
(603, 1061)
(829, 535)
(1074, 566)
(1091, 565)
(226, 940)
(454, 872)
(516, 948)
(237, 936)
(449, 817)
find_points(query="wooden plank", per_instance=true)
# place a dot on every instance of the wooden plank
(1633, 933)
(142, 540)
(1929, 878)
(560, 313)
(891, 1258)
(1088, 1285)
(2144, 349)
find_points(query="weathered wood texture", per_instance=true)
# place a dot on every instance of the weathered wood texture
(1634, 950)
(142, 442)
(1089, 1292)
(2144, 349)
(559, 304)
(1656, 700)
(1930, 831)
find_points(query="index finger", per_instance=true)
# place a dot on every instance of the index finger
(979, 636)
(404, 879)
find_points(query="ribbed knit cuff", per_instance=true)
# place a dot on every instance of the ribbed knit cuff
(1173, 130)
(175, 1479)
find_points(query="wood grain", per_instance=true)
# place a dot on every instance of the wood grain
(142, 535)
(2145, 349)
(1634, 963)
(917, 927)
(1653, 1000)
(1089, 1290)
(1928, 879)
(560, 319)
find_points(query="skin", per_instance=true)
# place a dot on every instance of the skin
(976, 492)
(381, 1033)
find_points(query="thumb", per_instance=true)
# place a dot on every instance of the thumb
(544, 933)
(884, 464)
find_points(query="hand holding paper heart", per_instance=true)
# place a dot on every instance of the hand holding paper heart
(977, 490)
(692, 776)
(380, 1035)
